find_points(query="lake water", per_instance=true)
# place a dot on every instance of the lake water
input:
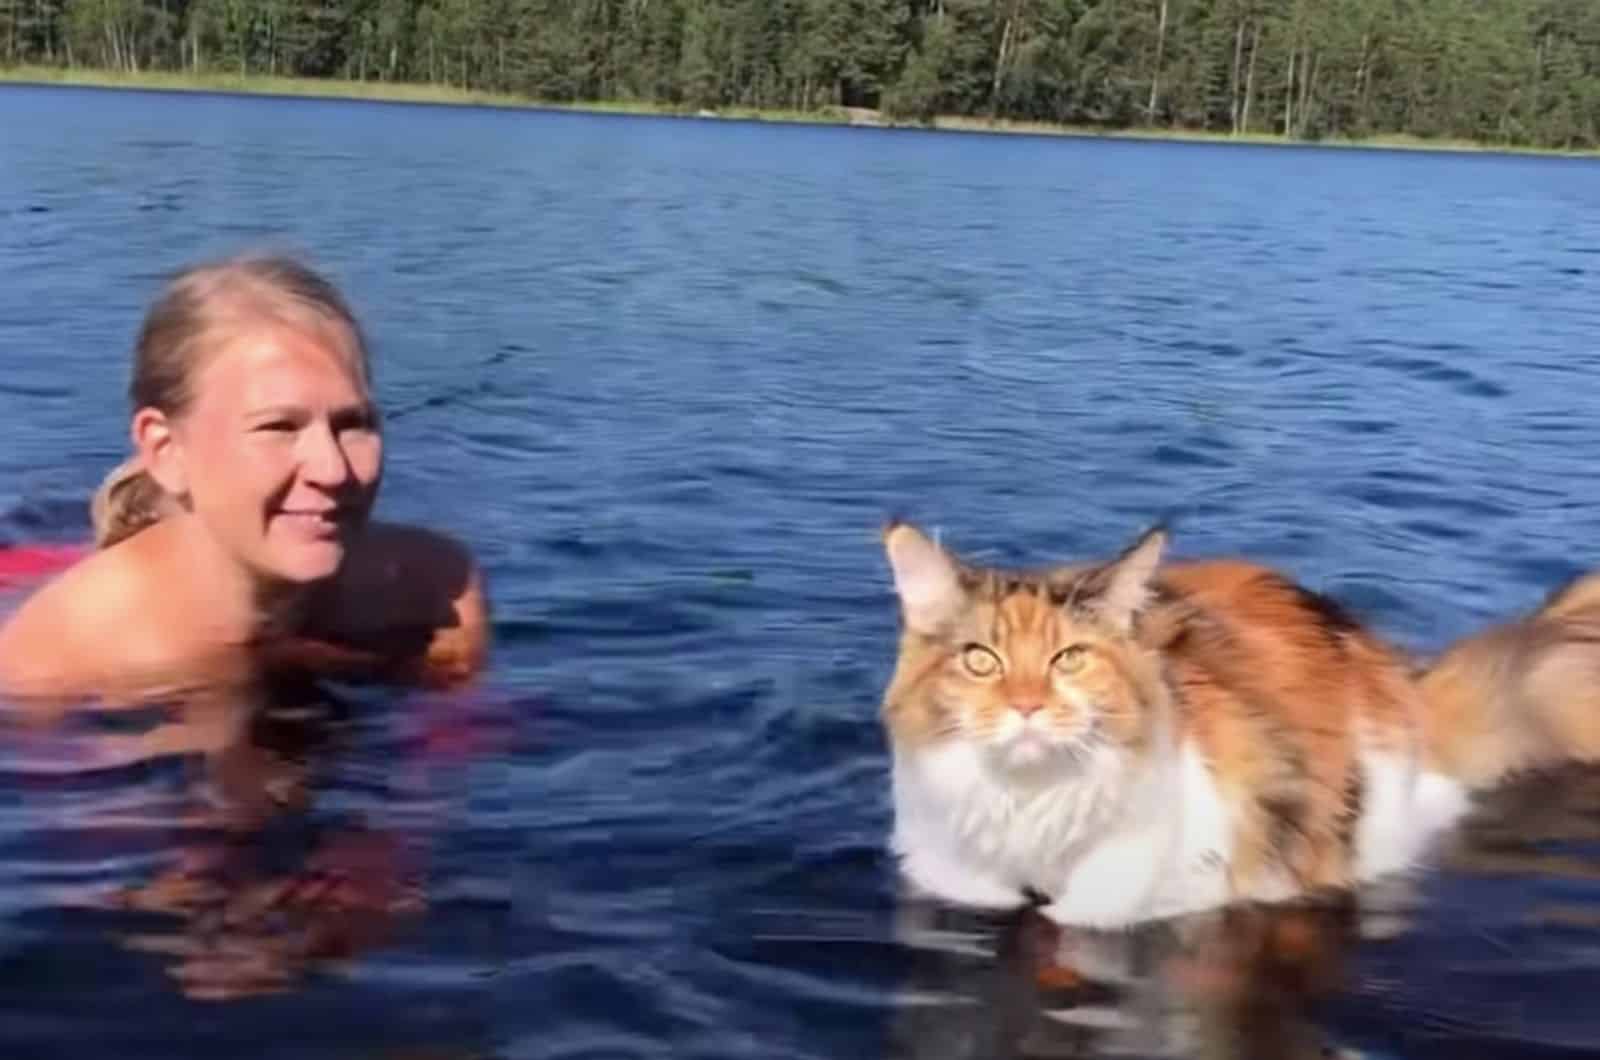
(668, 378)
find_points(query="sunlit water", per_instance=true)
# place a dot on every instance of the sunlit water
(668, 378)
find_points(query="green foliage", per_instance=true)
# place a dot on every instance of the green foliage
(1490, 71)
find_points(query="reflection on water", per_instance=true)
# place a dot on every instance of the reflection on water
(1416, 966)
(243, 889)
(667, 381)
(233, 922)
(264, 895)
(1237, 984)
(198, 835)
(250, 891)
(215, 843)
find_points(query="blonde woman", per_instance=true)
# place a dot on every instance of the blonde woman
(236, 542)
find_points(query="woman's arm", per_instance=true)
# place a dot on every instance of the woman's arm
(409, 607)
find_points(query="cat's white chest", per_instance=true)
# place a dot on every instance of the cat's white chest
(1168, 854)
(1111, 844)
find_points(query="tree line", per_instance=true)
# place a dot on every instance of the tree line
(1494, 71)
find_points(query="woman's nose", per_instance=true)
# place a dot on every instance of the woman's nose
(323, 461)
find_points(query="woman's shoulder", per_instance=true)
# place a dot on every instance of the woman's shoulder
(99, 617)
(409, 604)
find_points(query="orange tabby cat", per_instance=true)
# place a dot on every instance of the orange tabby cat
(1130, 741)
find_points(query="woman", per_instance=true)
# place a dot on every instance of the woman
(236, 543)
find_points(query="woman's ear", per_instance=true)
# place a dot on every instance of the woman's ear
(160, 451)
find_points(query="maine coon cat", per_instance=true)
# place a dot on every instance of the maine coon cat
(1131, 739)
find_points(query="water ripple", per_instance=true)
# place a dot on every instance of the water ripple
(669, 379)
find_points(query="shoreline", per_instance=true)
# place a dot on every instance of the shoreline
(442, 95)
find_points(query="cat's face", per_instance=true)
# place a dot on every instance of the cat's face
(1034, 671)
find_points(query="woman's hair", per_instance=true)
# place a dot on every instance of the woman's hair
(127, 501)
(202, 308)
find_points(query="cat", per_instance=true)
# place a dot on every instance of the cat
(1133, 740)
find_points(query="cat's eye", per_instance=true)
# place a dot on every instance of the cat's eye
(980, 661)
(1070, 660)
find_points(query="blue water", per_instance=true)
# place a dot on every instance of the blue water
(668, 378)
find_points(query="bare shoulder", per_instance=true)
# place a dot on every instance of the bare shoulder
(1577, 596)
(69, 634)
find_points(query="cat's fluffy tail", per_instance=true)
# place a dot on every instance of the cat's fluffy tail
(1520, 695)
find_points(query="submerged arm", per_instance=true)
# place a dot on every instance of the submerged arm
(409, 608)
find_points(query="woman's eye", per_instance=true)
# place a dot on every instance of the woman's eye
(980, 661)
(360, 422)
(276, 426)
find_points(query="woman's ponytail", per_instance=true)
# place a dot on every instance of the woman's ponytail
(127, 501)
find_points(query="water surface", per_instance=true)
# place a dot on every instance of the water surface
(667, 378)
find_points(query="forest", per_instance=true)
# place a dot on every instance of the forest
(1501, 72)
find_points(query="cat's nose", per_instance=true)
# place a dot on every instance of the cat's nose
(1028, 709)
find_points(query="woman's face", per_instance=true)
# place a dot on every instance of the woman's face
(280, 452)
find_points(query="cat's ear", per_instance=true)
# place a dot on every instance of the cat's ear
(1122, 587)
(925, 577)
